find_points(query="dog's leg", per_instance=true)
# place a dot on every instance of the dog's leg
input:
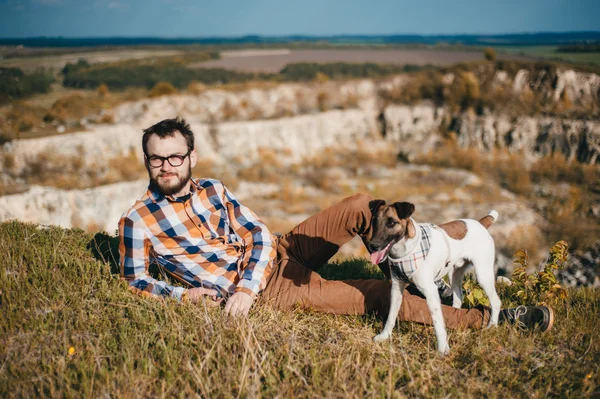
(456, 279)
(484, 269)
(395, 302)
(429, 289)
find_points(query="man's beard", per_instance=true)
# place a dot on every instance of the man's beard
(172, 187)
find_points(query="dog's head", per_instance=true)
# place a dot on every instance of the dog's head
(390, 224)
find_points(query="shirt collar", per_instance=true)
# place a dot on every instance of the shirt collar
(157, 196)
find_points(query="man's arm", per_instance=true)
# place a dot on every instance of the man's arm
(134, 249)
(257, 264)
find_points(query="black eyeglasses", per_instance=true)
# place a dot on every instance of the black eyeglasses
(156, 161)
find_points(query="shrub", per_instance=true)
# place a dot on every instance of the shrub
(229, 111)
(74, 107)
(21, 118)
(136, 73)
(107, 118)
(557, 168)
(15, 84)
(541, 287)
(320, 77)
(420, 86)
(102, 90)
(323, 101)
(489, 54)
(308, 71)
(510, 170)
(196, 88)
(464, 92)
(162, 89)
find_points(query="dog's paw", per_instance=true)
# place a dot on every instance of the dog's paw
(381, 337)
(443, 350)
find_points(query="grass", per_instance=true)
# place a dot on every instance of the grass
(70, 328)
(551, 53)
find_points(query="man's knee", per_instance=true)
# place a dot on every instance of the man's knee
(359, 201)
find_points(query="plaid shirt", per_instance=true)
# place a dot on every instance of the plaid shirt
(209, 240)
(407, 265)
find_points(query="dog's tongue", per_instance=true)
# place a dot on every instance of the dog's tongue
(377, 257)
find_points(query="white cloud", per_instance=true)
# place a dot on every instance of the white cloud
(48, 2)
(117, 4)
(13, 4)
(114, 4)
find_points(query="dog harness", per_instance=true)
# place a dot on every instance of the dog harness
(407, 265)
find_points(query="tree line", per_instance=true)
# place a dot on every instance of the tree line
(579, 48)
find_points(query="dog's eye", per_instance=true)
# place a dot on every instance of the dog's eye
(391, 223)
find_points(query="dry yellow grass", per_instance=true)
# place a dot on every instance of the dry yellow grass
(70, 327)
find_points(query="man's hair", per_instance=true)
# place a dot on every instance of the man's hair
(167, 128)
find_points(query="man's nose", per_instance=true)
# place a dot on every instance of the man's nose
(166, 166)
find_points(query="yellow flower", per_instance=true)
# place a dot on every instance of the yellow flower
(71, 351)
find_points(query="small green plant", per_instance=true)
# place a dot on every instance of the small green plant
(541, 287)
(474, 294)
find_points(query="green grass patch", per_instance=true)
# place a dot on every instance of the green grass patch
(553, 53)
(15, 84)
(70, 328)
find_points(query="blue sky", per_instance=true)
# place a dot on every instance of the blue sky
(200, 18)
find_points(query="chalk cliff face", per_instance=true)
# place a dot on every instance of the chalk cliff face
(411, 129)
(577, 140)
(296, 137)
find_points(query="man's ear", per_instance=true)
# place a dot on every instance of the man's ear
(193, 158)
(375, 205)
(411, 230)
(404, 209)
(146, 163)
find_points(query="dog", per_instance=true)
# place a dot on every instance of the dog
(422, 253)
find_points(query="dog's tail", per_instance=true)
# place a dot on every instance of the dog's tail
(487, 221)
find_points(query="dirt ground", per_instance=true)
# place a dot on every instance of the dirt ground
(274, 61)
(57, 62)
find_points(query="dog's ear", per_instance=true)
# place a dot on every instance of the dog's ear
(404, 209)
(411, 230)
(375, 205)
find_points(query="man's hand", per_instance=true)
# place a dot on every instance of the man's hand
(195, 295)
(239, 304)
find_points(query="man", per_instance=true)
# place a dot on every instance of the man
(199, 233)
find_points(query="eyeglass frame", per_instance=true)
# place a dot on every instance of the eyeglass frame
(163, 159)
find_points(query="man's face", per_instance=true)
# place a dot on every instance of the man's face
(168, 179)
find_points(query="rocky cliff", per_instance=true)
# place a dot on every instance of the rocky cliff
(297, 123)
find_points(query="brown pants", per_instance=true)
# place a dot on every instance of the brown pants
(294, 281)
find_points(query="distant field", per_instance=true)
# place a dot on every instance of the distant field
(273, 61)
(549, 52)
(59, 61)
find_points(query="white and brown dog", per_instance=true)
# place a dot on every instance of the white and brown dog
(422, 253)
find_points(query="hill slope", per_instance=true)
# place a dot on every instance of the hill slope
(69, 327)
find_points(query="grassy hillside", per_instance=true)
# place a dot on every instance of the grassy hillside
(70, 328)
(555, 53)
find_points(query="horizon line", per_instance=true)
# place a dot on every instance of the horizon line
(248, 35)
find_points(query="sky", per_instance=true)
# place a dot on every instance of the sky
(229, 18)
